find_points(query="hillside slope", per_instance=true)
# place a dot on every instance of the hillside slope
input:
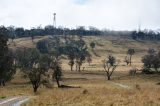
(105, 45)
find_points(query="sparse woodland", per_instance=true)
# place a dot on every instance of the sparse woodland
(62, 57)
(19, 32)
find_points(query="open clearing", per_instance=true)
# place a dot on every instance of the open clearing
(93, 91)
(90, 87)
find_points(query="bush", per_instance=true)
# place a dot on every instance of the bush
(147, 71)
(151, 61)
(133, 71)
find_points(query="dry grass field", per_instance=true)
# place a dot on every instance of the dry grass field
(90, 87)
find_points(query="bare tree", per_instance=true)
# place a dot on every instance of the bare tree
(110, 64)
(130, 52)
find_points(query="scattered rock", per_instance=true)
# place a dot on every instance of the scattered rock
(85, 91)
(138, 87)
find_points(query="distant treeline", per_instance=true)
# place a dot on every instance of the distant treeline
(18, 32)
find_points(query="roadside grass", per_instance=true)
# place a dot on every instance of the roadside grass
(93, 91)
(99, 92)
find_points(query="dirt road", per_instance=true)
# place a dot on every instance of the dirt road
(14, 101)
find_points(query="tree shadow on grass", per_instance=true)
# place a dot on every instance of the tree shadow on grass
(20, 83)
(67, 86)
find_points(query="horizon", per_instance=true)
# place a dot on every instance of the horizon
(124, 15)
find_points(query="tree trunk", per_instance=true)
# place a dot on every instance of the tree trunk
(35, 85)
(76, 67)
(35, 89)
(71, 68)
(58, 83)
(109, 77)
(130, 60)
(79, 68)
(2, 82)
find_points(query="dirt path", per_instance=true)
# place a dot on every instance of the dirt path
(121, 85)
(14, 101)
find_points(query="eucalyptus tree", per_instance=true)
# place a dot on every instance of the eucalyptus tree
(7, 67)
(151, 61)
(33, 64)
(55, 66)
(80, 53)
(70, 52)
(76, 51)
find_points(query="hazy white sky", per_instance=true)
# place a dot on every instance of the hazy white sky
(110, 14)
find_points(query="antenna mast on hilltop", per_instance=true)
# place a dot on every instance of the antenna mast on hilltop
(54, 20)
(54, 23)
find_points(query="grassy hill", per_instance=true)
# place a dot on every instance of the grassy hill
(105, 45)
(91, 87)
